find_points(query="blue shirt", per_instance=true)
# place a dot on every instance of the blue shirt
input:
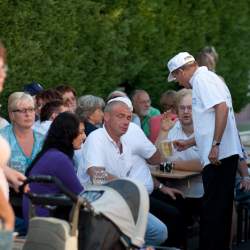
(18, 160)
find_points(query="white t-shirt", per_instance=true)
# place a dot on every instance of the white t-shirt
(209, 90)
(136, 148)
(100, 150)
(192, 187)
(142, 148)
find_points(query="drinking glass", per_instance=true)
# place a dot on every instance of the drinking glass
(99, 176)
(166, 148)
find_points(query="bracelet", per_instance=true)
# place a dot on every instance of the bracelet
(245, 178)
(160, 186)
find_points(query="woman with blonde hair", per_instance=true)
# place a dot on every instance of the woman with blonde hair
(24, 142)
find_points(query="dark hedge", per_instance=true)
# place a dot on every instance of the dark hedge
(97, 45)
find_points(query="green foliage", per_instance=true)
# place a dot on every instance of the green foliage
(97, 45)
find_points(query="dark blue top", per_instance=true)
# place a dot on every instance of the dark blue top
(54, 163)
(89, 127)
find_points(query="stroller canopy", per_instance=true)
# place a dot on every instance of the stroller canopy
(125, 203)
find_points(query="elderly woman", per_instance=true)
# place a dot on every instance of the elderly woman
(90, 111)
(24, 142)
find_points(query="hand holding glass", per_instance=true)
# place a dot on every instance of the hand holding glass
(99, 176)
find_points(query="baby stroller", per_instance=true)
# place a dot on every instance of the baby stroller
(111, 216)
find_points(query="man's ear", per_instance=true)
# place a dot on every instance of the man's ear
(106, 117)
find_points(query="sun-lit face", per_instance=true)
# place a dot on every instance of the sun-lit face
(185, 110)
(182, 78)
(23, 115)
(77, 142)
(142, 104)
(117, 121)
(3, 73)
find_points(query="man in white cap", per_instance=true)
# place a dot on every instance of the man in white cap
(106, 148)
(217, 139)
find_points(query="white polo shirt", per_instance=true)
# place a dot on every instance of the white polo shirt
(142, 148)
(193, 187)
(100, 150)
(209, 90)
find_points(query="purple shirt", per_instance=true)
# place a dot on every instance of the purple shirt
(54, 163)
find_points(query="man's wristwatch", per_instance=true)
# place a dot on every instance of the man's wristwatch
(245, 178)
(215, 143)
(160, 186)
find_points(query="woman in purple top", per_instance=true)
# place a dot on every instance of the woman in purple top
(66, 134)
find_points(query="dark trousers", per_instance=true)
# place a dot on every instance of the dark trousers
(216, 216)
(161, 207)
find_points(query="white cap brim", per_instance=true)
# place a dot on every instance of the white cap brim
(171, 78)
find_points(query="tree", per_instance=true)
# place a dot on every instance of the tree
(96, 45)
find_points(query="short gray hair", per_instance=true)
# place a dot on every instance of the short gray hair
(110, 106)
(87, 105)
(16, 98)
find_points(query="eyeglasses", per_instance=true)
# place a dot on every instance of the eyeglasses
(24, 111)
(183, 108)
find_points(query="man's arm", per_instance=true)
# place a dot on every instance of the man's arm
(182, 145)
(221, 114)
(172, 192)
(187, 165)
(245, 178)
(155, 158)
(91, 172)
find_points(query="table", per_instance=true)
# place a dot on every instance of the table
(182, 180)
(175, 174)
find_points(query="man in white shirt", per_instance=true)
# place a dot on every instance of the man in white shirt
(217, 140)
(105, 147)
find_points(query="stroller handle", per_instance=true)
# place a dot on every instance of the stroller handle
(47, 179)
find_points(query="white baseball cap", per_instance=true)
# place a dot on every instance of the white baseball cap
(177, 61)
(123, 99)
